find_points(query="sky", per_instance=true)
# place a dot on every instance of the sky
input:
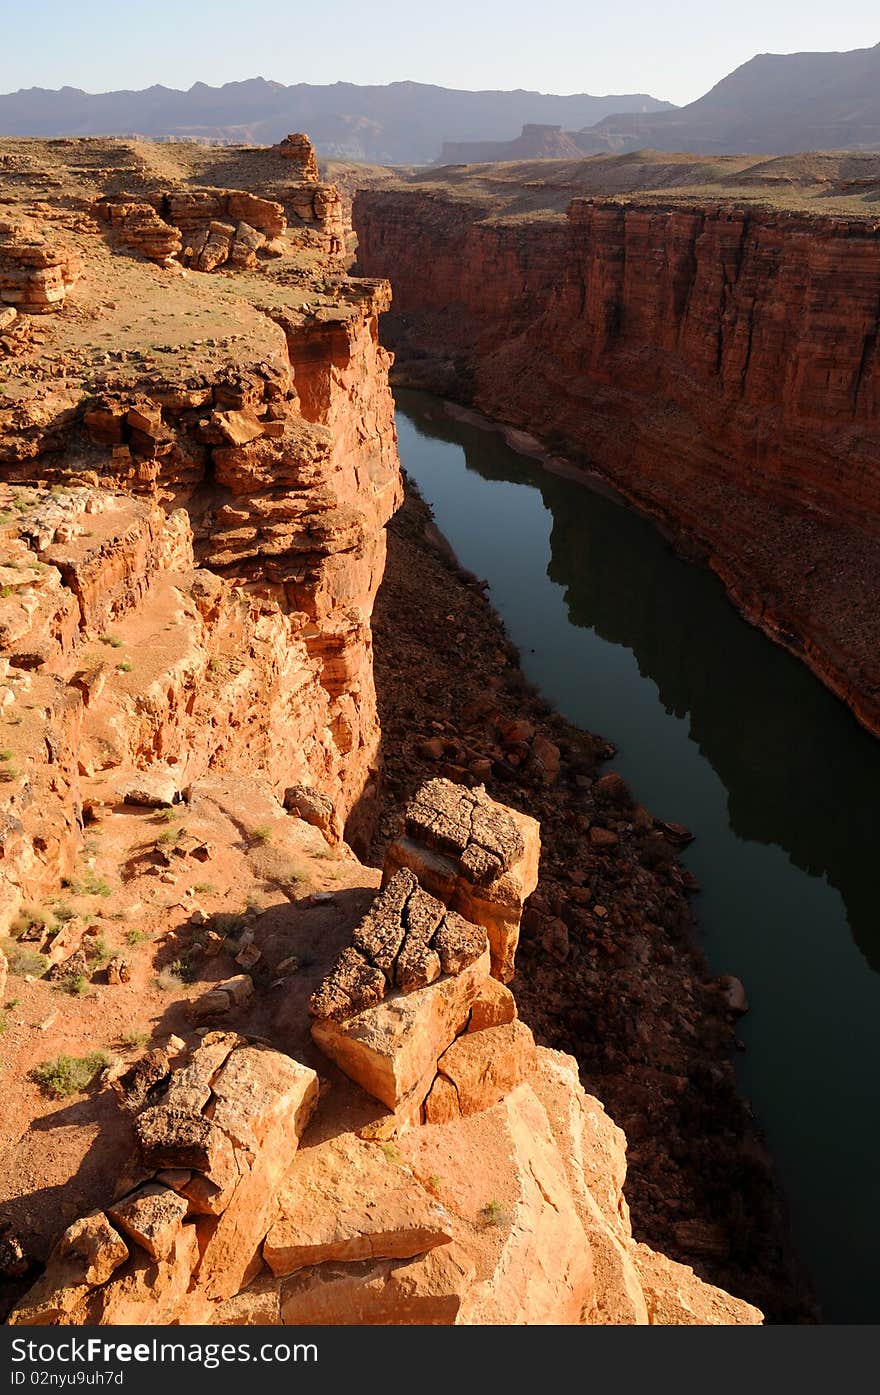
(674, 51)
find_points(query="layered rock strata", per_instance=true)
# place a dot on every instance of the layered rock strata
(36, 272)
(298, 147)
(208, 229)
(719, 364)
(192, 547)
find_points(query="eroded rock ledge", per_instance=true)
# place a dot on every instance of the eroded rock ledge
(216, 514)
(224, 1218)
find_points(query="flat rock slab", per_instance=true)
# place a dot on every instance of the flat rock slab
(350, 1200)
(152, 789)
(425, 1292)
(391, 1050)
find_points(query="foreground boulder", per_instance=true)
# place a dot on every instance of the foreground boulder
(391, 1050)
(212, 1155)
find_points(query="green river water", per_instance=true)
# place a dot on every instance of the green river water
(722, 731)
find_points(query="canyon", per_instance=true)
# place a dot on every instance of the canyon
(297, 971)
(717, 363)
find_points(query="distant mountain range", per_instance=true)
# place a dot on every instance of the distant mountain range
(775, 104)
(401, 123)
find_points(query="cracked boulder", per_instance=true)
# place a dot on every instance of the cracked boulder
(477, 856)
(391, 1050)
(405, 942)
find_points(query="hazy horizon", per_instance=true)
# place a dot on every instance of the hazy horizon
(577, 47)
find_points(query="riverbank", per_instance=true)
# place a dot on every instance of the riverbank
(609, 967)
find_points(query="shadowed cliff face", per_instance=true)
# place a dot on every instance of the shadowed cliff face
(761, 722)
(720, 366)
(726, 733)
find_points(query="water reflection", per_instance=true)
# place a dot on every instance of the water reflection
(799, 771)
(722, 730)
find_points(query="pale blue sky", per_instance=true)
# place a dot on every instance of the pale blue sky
(675, 50)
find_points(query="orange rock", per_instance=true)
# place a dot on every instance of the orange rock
(262, 1101)
(152, 1216)
(348, 1200)
(438, 856)
(593, 1153)
(392, 1050)
(518, 1222)
(478, 1070)
(298, 148)
(86, 1255)
(495, 1006)
(426, 1292)
(259, 1305)
(148, 1292)
(676, 1297)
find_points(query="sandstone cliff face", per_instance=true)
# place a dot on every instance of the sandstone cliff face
(259, 658)
(192, 545)
(721, 366)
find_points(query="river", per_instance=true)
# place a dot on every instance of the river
(718, 729)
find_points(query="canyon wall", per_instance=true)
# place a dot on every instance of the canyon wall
(192, 539)
(719, 365)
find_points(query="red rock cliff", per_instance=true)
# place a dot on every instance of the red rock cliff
(721, 366)
(210, 514)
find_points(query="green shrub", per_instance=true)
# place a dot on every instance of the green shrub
(74, 984)
(91, 885)
(134, 1040)
(493, 1213)
(99, 952)
(168, 981)
(69, 1075)
(31, 922)
(24, 962)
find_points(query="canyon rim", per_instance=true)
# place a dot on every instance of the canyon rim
(343, 980)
